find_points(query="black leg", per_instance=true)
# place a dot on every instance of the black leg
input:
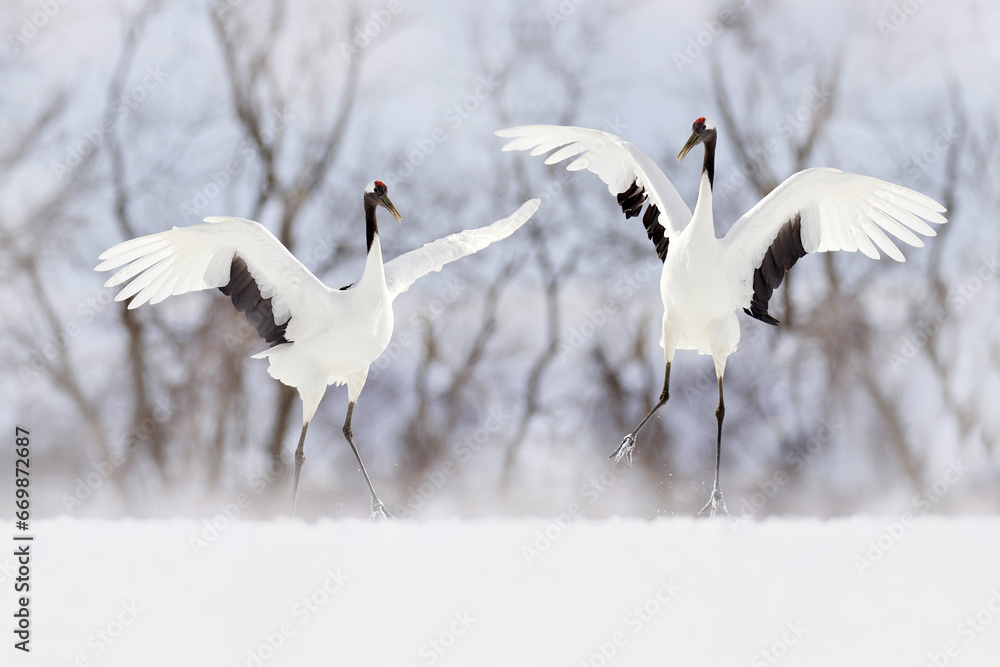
(716, 502)
(300, 458)
(628, 442)
(378, 509)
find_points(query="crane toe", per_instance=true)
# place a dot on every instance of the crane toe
(624, 450)
(379, 512)
(714, 504)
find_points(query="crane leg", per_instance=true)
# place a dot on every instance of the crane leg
(628, 442)
(378, 509)
(716, 502)
(300, 458)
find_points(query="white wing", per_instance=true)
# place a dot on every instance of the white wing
(834, 211)
(404, 270)
(187, 259)
(618, 163)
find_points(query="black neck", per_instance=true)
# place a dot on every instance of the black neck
(709, 165)
(370, 222)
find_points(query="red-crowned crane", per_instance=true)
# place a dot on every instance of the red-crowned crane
(318, 336)
(705, 279)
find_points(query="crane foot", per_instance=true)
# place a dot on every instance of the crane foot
(625, 449)
(379, 512)
(714, 504)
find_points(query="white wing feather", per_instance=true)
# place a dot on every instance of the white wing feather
(404, 270)
(188, 259)
(840, 211)
(617, 162)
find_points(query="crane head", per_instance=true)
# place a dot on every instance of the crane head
(701, 131)
(377, 194)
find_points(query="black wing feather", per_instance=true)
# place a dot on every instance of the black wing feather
(243, 290)
(631, 202)
(785, 250)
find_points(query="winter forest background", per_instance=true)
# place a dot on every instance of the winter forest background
(512, 374)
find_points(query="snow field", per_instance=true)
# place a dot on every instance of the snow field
(859, 591)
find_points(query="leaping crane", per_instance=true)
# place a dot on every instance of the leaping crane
(318, 336)
(705, 279)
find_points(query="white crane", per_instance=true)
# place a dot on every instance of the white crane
(319, 336)
(706, 279)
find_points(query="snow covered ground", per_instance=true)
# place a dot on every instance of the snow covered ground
(860, 591)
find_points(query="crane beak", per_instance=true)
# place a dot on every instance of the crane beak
(387, 203)
(692, 141)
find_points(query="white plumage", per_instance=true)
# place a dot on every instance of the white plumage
(320, 336)
(707, 280)
(617, 162)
